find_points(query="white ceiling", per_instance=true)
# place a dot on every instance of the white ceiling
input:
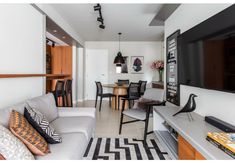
(131, 19)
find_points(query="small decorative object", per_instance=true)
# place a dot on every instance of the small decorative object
(159, 66)
(137, 63)
(190, 106)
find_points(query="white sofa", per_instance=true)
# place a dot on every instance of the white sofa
(76, 126)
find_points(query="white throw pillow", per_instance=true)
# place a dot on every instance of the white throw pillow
(12, 148)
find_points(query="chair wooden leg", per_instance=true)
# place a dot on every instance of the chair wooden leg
(96, 98)
(100, 103)
(121, 120)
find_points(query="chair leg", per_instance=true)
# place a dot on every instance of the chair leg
(118, 102)
(115, 98)
(109, 101)
(146, 126)
(96, 98)
(100, 102)
(121, 120)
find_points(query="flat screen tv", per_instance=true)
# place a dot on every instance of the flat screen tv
(206, 53)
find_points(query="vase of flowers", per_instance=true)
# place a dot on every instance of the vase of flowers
(159, 66)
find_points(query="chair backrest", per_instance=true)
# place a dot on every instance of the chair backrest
(154, 94)
(59, 88)
(142, 86)
(133, 90)
(68, 86)
(121, 81)
(99, 88)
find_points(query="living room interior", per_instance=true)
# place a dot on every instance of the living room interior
(117, 81)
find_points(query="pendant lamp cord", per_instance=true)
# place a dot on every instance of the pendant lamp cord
(119, 40)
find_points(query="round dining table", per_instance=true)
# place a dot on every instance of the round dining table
(117, 90)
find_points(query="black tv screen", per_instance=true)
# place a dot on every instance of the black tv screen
(206, 53)
(209, 62)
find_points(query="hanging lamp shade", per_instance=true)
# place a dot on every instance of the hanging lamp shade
(119, 58)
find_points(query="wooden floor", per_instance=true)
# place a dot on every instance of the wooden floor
(107, 123)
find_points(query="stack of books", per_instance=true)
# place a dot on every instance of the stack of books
(224, 141)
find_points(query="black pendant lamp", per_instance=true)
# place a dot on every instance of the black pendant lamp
(119, 59)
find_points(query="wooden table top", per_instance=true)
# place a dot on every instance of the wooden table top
(115, 86)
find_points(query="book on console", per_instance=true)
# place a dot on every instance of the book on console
(224, 141)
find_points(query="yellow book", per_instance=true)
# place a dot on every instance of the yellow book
(227, 140)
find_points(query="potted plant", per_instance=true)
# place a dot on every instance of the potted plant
(159, 66)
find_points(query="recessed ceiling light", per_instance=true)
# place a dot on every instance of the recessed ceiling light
(54, 30)
(63, 37)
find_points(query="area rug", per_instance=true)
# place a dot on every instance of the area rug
(124, 149)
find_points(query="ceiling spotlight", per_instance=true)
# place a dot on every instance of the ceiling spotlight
(97, 7)
(102, 26)
(100, 20)
(63, 37)
(54, 30)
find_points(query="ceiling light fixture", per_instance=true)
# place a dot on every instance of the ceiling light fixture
(119, 58)
(54, 30)
(100, 18)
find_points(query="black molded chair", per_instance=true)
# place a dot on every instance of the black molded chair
(69, 93)
(132, 92)
(121, 81)
(99, 92)
(142, 87)
(153, 97)
(59, 92)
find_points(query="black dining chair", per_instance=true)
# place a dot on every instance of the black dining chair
(142, 87)
(132, 92)
(69, 93)
(59, 92)
(121, 81)
(151, 98)
(99, 92)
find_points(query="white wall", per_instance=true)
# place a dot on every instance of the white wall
(209, 102)
(80, 75)
(150, 50)
(22, 51)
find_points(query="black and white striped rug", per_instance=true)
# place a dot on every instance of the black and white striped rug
(124, 149)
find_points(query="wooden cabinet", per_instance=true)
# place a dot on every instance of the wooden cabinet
(159, 85)
(186, 151)
(60, 64)
(61, 60)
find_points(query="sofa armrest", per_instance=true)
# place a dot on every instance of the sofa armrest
(76, 111)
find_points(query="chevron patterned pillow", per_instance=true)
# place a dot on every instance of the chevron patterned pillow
(21, 128)
(41, 124)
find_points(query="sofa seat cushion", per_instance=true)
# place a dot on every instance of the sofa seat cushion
(72, 147)
(46, 105)
(82, 124)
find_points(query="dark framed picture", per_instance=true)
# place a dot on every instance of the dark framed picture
(125, 65)
(137, 64)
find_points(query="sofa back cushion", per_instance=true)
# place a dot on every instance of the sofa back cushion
(46, 105)
(5, 113)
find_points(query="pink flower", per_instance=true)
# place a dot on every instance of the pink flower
(157, 65)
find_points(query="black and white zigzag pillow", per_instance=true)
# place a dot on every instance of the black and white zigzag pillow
(41, 124)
